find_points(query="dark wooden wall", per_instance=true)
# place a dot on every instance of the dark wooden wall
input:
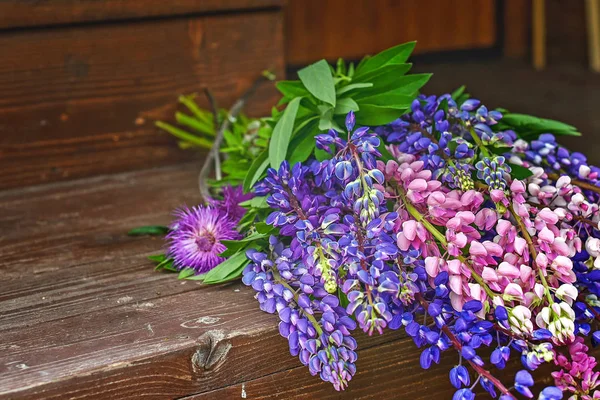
(350, 29)
(83, 81)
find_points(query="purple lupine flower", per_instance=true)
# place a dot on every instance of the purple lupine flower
(196, 235)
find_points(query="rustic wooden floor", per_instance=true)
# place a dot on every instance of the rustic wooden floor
(83, 315)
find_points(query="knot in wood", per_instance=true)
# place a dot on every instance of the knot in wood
(212, 350)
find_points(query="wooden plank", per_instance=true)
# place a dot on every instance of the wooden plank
(81, 101)
(539, 34)
(17, 13)
(337, 28)
(517, 17)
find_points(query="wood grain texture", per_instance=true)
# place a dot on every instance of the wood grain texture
(81, 101)
(517, 28)
(336, 28)
(18, 13)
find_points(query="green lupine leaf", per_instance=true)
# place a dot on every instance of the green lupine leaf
(185, 273)
(458, 92)
(372, 115)
(166, 264)
(158, 258)
(282, 134)
(389, 99)
(304, 142)
(259, 165)
(227, 269)
(202, 115)
(523, 123)
(353, 86)
(183, 135)
(195, 123)
(290, 89)
(199, 277)
(264, 228)
(384, 74)
(150, 230)
(519, 172)
(398, 85)
(397, 54)
(255, 202)
(345, 105)
(318, 80)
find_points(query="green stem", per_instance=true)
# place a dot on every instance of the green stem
(479, 143)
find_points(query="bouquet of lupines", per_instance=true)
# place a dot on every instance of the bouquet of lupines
(374, 208)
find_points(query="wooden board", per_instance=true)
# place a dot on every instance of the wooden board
(18, 13)
(83, 315)
(81, 100)
(331, 29)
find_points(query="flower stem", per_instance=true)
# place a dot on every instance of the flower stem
(456, 343)
(277, 278)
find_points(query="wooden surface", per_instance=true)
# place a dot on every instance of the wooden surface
(82, 100)
(517, 28)
(83, 315)
(331, 29)
(19, 13)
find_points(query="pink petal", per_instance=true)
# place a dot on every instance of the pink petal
(508, 270)
(517, 186)
(418, 184)
(477, 249)
(489, 274)
(409, 228)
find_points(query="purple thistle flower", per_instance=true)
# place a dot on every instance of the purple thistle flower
(195, 237)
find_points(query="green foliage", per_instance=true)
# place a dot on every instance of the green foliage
(282, 133)
(150, 230)
(529, 127)
(242, 143)
(378, 90)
